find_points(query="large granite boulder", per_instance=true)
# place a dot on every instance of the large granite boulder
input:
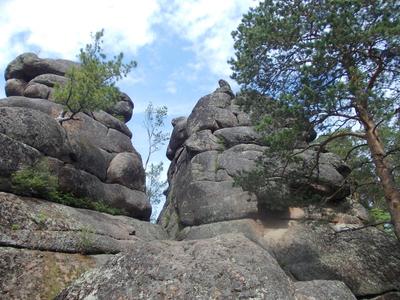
(322, 245)
(215, 144)
(123, 109)
(92, 155)
(126, 168)
(34, 77)
(225, 267)
(365, 260)
(35, 129)
(28, 65)
(178, 136)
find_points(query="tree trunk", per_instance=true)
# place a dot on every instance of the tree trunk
(383, 169)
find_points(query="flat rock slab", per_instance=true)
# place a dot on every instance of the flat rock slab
(322, 289)
(226, 267)
(37, 224)
(37, 275)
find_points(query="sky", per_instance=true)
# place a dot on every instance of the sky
(181, 46)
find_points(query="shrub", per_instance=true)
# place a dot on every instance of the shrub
(37, 181)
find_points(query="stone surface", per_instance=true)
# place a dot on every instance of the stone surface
(98, 135)
(28, 65)
(322, 289)
(14, 155)
(134, 203)
(111, 122)
(42, 105)
(386, 296)
(15, 87)
(36, 90)
(227, 267)
(206, 202)
(37, 275)
(211, 113)
(248, 227)
(42, 225)
(365, 260)
(123, 108)
(202, 141)
(212, 147)
(35, 129)
(127, 169)
(238, 135)
(178, 136)
(80, 150)
(89, 141)
(50, 80)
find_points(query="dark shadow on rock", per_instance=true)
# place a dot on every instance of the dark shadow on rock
(366, 260)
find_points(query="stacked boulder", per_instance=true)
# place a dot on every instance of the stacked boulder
(44, 245)
(226, 246)
(325, 241)
(214, 239)
(216, 143)
(92, 156)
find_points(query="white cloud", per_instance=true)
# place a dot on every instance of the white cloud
(170, 87)
(61, 28)
(208, 24)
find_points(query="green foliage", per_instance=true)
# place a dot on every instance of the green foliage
(154, 123)
(332, 63)
(37, 181)
(156, 137)
(380, 215)
(299, 51)
(41, 219)
(280, 185)
(155, 186)
(91, 85)
(86, 238)
(314, 57)
(15, 227)
(365, 185)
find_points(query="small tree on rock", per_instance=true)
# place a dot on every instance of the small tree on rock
(91, 85)
(156, 137)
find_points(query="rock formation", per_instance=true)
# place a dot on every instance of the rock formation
(213, 239)
(42, 242)
(215, 143)
(92, 156)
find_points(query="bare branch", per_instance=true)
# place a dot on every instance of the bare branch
(363, 227)
(352, 149)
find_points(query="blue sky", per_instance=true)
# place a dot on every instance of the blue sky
(181, 46)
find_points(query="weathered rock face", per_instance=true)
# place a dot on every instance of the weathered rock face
(37, 224)
(32, 274)
(315, 251)
(92, 156)
(44, 246)
(364, 259)
(226, 267)
(228, 243)
(213, 145)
